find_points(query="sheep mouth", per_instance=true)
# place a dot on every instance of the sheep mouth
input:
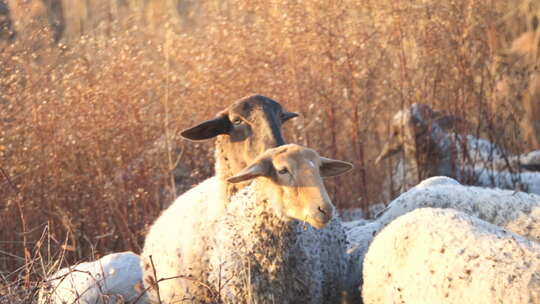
(319, 220)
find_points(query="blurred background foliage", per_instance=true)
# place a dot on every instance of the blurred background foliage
(93, 94)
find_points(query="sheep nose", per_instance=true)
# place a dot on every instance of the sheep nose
(323, 214)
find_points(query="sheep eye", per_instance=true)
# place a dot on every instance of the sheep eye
(283, 171)
(237, 121)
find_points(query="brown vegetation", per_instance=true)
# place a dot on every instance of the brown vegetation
(89, 144)
(516, 68)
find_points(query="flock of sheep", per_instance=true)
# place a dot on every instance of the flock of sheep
(264, 230)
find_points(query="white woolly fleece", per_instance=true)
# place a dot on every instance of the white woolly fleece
(446, 256)
(178, 242)
(113, 278)
(518, 212)
(264, 258)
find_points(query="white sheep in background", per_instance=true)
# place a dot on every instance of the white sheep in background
(255, 251)
(446, 256)
(245, 129)
(518, 212)
(525, 181)
(529, 161)
(113, 278)
(430, 148)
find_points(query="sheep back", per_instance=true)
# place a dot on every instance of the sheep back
(178, 244)
(446, 256)
(515, 211)
(113, 278)
(260, 258)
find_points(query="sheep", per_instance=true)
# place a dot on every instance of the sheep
(518, 212)
(245, 129)
(525, 181)
(531, 161)
(258, 249)
(429, 149)
(248, 126)
(446, 256)
(113, 278)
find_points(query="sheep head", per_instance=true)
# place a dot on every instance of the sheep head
(406, 126)
(411, 130)
(244, 130)
(291, 180)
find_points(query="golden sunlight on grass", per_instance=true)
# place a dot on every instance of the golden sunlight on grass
(90, 151)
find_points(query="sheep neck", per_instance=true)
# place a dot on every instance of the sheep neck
(431, 154)
(228, 163)
(266, 251)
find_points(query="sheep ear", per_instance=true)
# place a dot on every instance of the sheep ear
(261, 167)
(333, 167)
(208, 129)
(288, 115)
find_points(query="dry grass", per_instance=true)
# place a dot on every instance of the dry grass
(89, 145)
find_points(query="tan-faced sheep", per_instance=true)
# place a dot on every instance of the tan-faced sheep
(430, 148)
(114, 278)
(518, 212)
(259, 250)
(446, 256)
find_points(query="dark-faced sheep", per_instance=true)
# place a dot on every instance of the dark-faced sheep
(244, 130)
